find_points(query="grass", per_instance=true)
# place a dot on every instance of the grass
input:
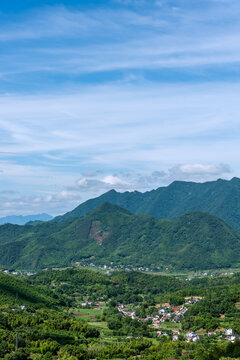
(83, 318)
(87, 314)
(171, 325)
(90, 311)
(100, 325)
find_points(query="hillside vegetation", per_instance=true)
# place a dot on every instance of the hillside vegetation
(15, 291)
(82, 282)
(112, 234)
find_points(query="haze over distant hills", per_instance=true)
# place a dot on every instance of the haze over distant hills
(220, 198)
(23, 219)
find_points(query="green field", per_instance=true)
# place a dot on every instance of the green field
(87, 314)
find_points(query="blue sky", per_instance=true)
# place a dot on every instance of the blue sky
(124, 94)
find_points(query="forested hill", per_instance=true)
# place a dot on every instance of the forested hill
(86, 281)
(220, 198)
(15, 291)
(112, 234)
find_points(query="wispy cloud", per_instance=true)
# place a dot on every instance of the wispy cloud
(47, 22)
(114, 128)
(62, 22)
(101, 117)
(131, 95)
(108, 39)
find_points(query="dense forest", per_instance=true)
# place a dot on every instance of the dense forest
(110, 234)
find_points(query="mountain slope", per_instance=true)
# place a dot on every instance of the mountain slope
(15, 291)
(112, 234)
(220, 198)
(22, 220)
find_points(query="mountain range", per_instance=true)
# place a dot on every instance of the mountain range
(185, 225)
(109, 233)
(220, 198)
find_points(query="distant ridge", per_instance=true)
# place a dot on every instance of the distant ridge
(23, 219)
(220, 198)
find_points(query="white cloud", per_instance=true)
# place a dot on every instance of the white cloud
(97, 183)
(200, 169)
(198, 172)
(114, 180)
(142, 181)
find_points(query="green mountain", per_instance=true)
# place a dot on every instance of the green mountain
(112, 234)
(220, 198)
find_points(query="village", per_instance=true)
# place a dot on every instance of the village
(187, 275)
(174, 315)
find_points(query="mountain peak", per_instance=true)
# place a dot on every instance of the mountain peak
(112, 191)
(235, 180)
(107, 207)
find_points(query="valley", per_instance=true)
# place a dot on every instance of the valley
(85, 314)
(112, 284)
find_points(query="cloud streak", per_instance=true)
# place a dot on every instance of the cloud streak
(123, 125)
(122, 39)
(131, 95)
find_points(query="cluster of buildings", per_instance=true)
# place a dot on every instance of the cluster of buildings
(17, 273)
(8, 272)
(230, 336)
(126, 312)
(90, 304)
(227, 335)
(176, 314)
(167, 312)
(192, 336)
(112, 267)
(86, 303)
